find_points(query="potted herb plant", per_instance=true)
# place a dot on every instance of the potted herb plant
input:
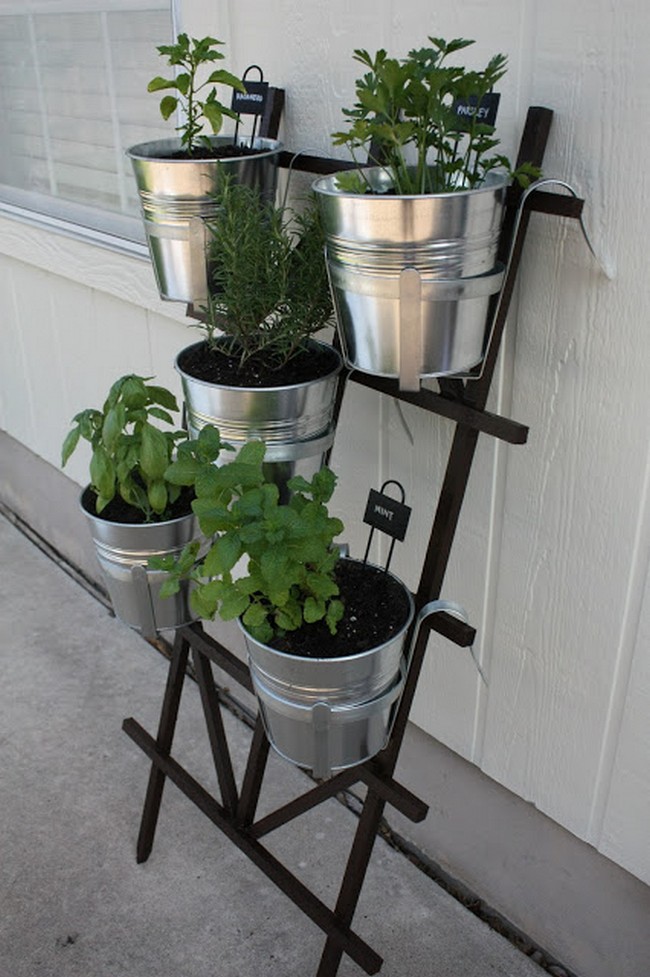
(133, 510)
(260, 373)
(177, 178)
(412, 239)
(324, 633)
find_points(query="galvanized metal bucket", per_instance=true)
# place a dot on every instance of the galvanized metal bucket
(177, 197)
(327, 714)
(412, 276)
(123, 551)
(295, 421)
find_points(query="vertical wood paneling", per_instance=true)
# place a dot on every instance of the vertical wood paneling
(166, 339)
(624, 832)
(37, 326)
(14, 401)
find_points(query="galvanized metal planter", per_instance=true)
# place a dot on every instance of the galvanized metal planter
(177, 197)
(327, 714)
(412, 276)
(295, 421)
(123, 551)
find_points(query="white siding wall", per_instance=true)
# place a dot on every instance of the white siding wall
(551, 558)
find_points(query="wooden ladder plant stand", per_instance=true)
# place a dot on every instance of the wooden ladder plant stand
(463, 404)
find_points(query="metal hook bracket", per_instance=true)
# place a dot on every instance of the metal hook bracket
(447, 607)
(537, 185)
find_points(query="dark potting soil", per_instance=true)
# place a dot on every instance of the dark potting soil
(376, 608)
(217, 366)
(216, 152)
(118, 510)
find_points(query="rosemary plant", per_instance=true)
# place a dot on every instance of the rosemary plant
(268, 269)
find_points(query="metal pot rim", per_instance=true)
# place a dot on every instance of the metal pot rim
(157, 149)
(326, 185)
(291, 386)
(136, 525)
(343, 658)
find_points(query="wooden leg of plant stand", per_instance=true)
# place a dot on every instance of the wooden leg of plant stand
(355, 873)
(216, 732)
(252, 784)
(166, 728)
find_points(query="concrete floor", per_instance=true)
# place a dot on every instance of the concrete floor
(73, 901)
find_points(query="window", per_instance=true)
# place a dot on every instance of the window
(73, 97)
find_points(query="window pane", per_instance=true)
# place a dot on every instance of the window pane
(73, 97)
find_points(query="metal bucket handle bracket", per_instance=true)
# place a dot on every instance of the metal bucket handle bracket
(410, 332)
(198, 244)
(412, 292)
(604, 266)
(322, 767)
(437, 607)
(410, 289)
(145, 605)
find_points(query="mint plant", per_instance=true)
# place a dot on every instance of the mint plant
(130, 454)
(405, 109)
(289, 578)
(269, 275)
(190, 55)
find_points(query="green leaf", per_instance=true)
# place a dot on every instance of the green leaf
(273, 564)
(204, 600)
(183, 83)
(289, 618)
(209, 444)
(101, 504)
(252, 453)
(186, 560)
(157, 495)
(69, 444)
(233, 605)
(183, 471)
(314, 610)
(249, 506)
(323, 484)
(206, 482)
(263, 633)
(299, 484)
(102, 474)
(133, 392)
(335, 612)
(321, 585)
(212, 518)
(157, 84)
(222, 77)
(255, 615)
(162, 396)
(168, 106)
(213, 112)
(160, 414)
(222, 555)
(154, 453)
(169, 587)
(114, 423)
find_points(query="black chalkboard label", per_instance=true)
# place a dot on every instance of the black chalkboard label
(253, 101)
(469, 109)
(388, 515)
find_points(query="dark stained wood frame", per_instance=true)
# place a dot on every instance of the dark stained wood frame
(463, 404)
